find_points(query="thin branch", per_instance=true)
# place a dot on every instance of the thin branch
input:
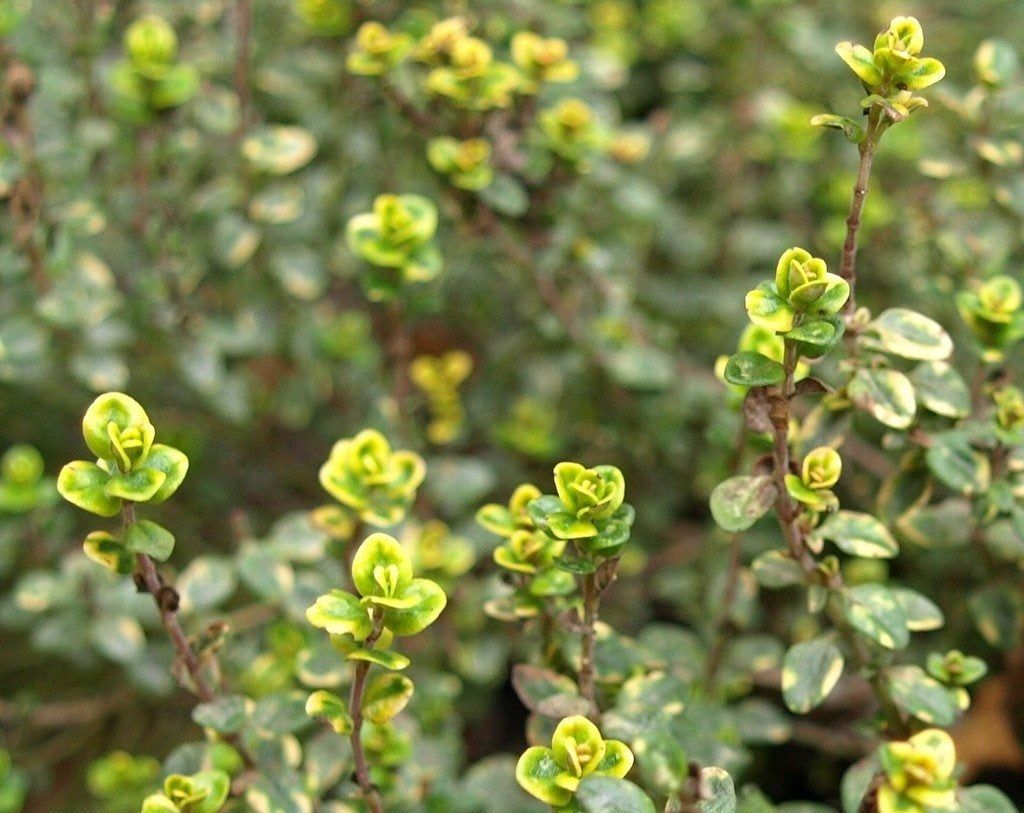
(167, 599)
(355, 704)
(591, 599)
(848, 265)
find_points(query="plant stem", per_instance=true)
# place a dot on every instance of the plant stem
(166, 598)
(848, 265)
(591, 600)
(355, 705)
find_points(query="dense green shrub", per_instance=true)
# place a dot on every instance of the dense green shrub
(439, 252)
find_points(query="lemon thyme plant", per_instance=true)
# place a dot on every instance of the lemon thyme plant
(391, 603)
(274, 223)
(894, 360)
(130, 469)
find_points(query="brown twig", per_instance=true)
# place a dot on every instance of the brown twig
(370, 793)
(848, 265)
(167, 599)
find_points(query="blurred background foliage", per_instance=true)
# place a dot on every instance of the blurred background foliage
(198, 261)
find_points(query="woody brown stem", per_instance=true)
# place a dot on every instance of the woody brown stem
(848, 264)
(166, 599)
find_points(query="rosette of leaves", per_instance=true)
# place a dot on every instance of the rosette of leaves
(956, 670)
(324, 17)
(527, 552)
(471, 78)
(541, 59)
(890, 73)
(995, 314)
(364, 474)
(803, 287)
(398, 234)
(894, 67)
(577, 751)
(151, 79)
(801, 304)
(376, 50)
(439, 378)
(466, 163)
(820, 471)
(570, 130)
(390, 602)
(22, 485)
(506, 520)
(918, 774)
(203, 792)
(1009, 415)
(131, 468)
(589, 509)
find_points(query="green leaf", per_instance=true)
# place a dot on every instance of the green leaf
(430, 601)
(739, 502)
(875, 611)
(998, 613)
(172, 463)
(279, 150)
(83, 484)
(534, 684)
(497, 519)
(985, 799)
(751, 369)
(536, 772)
(941, 390)
(810, 671)
(112, 407)
(376, 555)
(103, 548)
(149, 538)
(138, 486)
(332, 708)
(340, 613)
(907, 334)
(552, 581)
(887, 394)
(858, 534)
(920, 612)
(776, 568)
(225, 715)
(767, 309)
(921, 696)
(954, 461)
(506, 195)
(717, 791)
(382, 657)
(386, 695)
(605, 794)
(853, 131)
(861, 62)
(158, 803)
(217, 785)
(816, 337)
